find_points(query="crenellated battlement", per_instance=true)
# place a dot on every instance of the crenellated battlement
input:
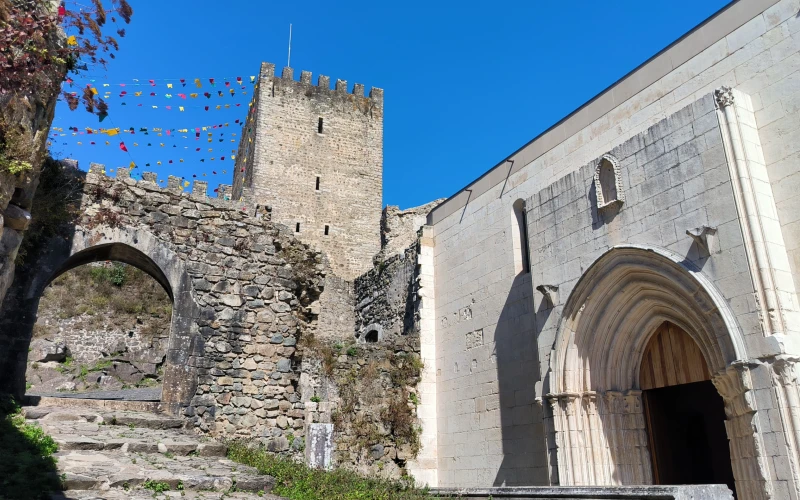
(323, 83)
(175, 186)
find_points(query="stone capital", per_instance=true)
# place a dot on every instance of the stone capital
(724, 96)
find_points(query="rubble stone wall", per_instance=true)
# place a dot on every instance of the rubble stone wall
(242, 289)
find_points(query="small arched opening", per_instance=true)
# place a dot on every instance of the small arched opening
(608, 183)
(371, 337)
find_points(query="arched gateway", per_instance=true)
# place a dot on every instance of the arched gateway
(133, 246)
(604, 351)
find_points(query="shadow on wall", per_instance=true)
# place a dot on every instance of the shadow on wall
(520, 417)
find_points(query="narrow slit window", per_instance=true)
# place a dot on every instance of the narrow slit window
(317, 188)
(297, 228)
(319, 126)
(519, 222)
(327, 229)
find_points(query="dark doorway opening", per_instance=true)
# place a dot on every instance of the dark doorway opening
(371, 337)
(688, 441)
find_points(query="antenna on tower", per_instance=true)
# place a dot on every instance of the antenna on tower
(289, 61)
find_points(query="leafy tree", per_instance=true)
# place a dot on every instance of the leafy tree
(41, 37)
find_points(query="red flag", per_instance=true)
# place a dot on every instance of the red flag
(122, 147)
(153, 83)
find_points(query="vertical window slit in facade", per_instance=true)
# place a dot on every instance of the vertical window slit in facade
(297, 228)
(317, 188)
(327, 229)
(319, 126)
(519, 221)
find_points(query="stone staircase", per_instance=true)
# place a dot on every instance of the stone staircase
(123, 454)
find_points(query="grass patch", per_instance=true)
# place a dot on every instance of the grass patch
(297, 481)
(28, 467)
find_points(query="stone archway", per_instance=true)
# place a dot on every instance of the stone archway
(596, 414)
(132, 246)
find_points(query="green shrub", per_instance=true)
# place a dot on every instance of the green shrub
(297, 481)
(27, 468)
(155, 486)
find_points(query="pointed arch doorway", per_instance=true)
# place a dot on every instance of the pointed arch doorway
(684, 413)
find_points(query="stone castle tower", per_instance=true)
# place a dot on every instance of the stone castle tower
(315, 155)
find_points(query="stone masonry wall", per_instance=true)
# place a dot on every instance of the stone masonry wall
(386, 299)
(239, 310)
(399, 227)
(291, 156)
(369, 387)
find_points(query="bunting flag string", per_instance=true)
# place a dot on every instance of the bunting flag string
(145, 130)
(173, 82)
(180, 95)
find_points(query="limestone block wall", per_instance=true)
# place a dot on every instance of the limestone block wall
(317, 159)
(751, 46)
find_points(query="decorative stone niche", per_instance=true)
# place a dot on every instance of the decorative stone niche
(608, 183)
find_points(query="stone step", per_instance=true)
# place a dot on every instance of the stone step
(81, 429)
(106, 471)
(142, 494)
(96, 404)
(136, 418)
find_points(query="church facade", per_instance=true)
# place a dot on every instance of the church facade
(616, 302)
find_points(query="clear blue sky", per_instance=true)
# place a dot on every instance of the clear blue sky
(466, 83)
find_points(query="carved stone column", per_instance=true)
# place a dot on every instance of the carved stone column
(600, 438)
(785, 376)
(748, 458)
(638, 444)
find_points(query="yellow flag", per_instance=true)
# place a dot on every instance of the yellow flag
(252, 79)
(162, 144)
(219, 107)
(107, 143)
(158, 163)
(94, 91)
(197, 82)
(233, 157)
(180, 107)
(106, 85)
(169, 85)
(132, 165)
(112, 132)
(193, 96)
(80, 143)
(72, 40)
(137, 94)
(185, 184)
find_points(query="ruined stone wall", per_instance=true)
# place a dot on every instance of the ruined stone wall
(242, 289)
(336, 305)
(368, 386)
(291, 156)
(24, 123)
(386, 301)
(399, 227)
